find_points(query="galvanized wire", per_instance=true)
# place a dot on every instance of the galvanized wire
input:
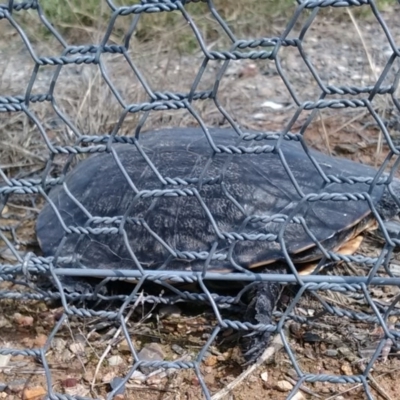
(28, 270)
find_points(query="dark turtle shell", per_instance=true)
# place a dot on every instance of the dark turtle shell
(231, 188)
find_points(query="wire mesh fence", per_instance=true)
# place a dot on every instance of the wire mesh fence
(110, 227)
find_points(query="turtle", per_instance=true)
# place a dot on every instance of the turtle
(208, 199)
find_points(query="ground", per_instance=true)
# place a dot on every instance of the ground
(344, 53)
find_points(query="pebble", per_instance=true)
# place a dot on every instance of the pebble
(210, 361)
(3, 386)
(34, 393)
(77, 348)
(107, 378)
(150, 352)
(88, 376)
(4, 323)
(272, 104)
(347, 148)
(66, 355)
(115, 360)
(40, 340)
(209, 379)
(298, 396)
(138, 376)
(178, 349)
(79, 338)
(75, 391)
(154, 380)
(344, 351)
(58, 344)
(264, 376)
(17, 386)
(69, 382)
(115, 383)
(346, 369)
(331, 352)
(23, 320)
(123, 347)
(284, 386)
(4, 360)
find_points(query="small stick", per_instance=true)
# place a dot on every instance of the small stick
(303, 388)
(276, 345)
(111, 342)
(378, 387)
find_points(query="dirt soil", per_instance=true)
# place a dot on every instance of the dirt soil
(255, 95)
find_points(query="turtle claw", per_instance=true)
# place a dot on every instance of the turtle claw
(252, 355)
(264, 297)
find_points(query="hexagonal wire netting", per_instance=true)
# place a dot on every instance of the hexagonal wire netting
(57, 140)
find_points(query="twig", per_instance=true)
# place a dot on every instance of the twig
(378, 388)
(373, 71)
(276, 345)
(303, 388)
(107, 350)
(146, 388)
(345, 391)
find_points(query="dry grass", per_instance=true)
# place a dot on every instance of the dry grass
(163, 47)
(165, 51)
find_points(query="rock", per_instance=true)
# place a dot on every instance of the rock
(331, 352)
(115, 383)
(77, 348)
(123, 347)
(78, 390)
(155, 380)
(88, 376)
(344, 350)
(150, 352)
(17, 386)
(69, 382)
(66, 356)
(209, 379)
(35, 393)
(346, 369)
(107, 378)
(79, 338)
(58, 344)
(23, 320)
(284, 386)
(4, 323)
(210, 361)
(264, 376)
(138, 376)
(40, 340)
(178, 349)
(260, 116)
(4, 360)
(346, 148)
(299, 396)
(272, 104)
(115, 360)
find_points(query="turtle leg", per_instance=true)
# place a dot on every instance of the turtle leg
(263, 299)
